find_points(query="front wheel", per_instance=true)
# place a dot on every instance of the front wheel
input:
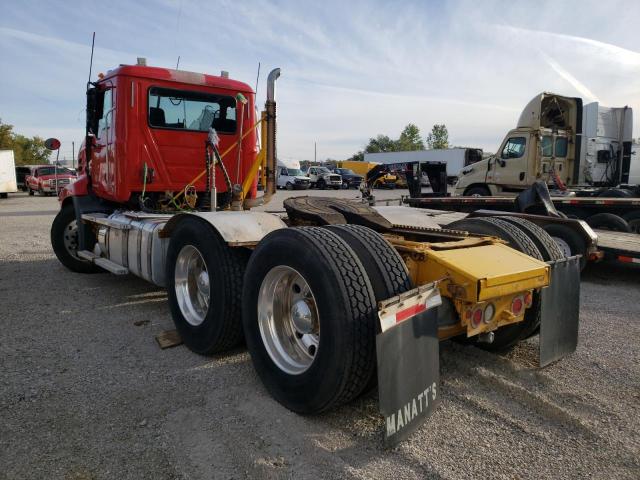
(204, 286)
(289, 186)
(321, 184)
(309, 325)
(64, 240)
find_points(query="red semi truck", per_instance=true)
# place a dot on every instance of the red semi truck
(332, 297)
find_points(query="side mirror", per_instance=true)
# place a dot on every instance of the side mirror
(52, 144)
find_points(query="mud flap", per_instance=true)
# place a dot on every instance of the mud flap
(408, 361)
(560, 304)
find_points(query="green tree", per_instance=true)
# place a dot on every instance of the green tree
(439, 137)
(26, 150)
(410, 139)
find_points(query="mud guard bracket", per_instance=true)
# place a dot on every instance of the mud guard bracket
(408, 361)
(560, 311)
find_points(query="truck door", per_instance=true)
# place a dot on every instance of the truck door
(510, 168)
(553, 156)
(102, 162)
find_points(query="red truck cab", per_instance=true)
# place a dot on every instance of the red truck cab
(49, 179)
(148, 128)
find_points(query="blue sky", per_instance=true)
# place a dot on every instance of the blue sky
(350, 70)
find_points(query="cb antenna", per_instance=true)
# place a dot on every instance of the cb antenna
(178, 62)
(93, 42)
(257, 78)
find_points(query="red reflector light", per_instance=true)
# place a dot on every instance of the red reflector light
(528, 299)
(516, 306)
(477, 317)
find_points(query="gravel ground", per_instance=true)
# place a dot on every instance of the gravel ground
(85, 392)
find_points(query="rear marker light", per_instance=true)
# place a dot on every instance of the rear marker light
(477, 317)
(516, 306)
(528, 299)
(489, 312)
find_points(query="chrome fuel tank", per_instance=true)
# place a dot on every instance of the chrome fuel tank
(132, 240)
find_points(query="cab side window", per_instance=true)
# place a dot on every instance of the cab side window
(514, 148)
(283, 171)
(104, 122)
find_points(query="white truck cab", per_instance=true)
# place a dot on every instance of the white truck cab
(322, 178)
(559, 141)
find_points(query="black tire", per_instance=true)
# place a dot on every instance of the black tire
(345, 185)
(633, 219)
(221, 328)
(31, 193)
(608, 221)
(548, 248)
(289, 186)
(4, 195)
(321, 184)
(568, 240)
(345, 358)
(507, 337)
(64, 240)
(385, 268)
(477, 191)
(498, 228)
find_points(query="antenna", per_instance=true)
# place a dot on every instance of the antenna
(178, 62)
(257, 78)
(93, 42)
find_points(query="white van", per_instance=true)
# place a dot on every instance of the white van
(291, 177)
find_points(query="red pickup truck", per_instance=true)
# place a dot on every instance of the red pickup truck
(49, 180)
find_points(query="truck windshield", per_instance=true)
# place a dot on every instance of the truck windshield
(547, 146)
(52, 171)
(322, 170)
(561, 146)
(344, 171)
(295, 172)
(192, 111)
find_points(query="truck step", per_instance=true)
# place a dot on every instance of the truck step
(107, 264)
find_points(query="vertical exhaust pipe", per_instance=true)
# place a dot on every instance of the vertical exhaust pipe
(270, 107)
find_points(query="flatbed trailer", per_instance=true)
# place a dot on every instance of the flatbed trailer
(584, 208)
(610, 244)
(620, 246)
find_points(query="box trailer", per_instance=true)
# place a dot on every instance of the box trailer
(8, 182)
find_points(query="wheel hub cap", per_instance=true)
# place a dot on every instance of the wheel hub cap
(288, 320)
(192, 285)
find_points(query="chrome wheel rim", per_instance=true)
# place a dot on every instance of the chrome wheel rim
(192, 285)
(564, 246)
(70, 238)
(288, 320)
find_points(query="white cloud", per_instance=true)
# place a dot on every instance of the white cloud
(351, 70)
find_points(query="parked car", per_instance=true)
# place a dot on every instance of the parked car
(322, 178)
(49, 180)
(349, 177)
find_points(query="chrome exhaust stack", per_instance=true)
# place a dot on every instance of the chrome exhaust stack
(270, 108)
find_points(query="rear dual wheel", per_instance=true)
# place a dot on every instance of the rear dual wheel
(309, 312)
(204, 286)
